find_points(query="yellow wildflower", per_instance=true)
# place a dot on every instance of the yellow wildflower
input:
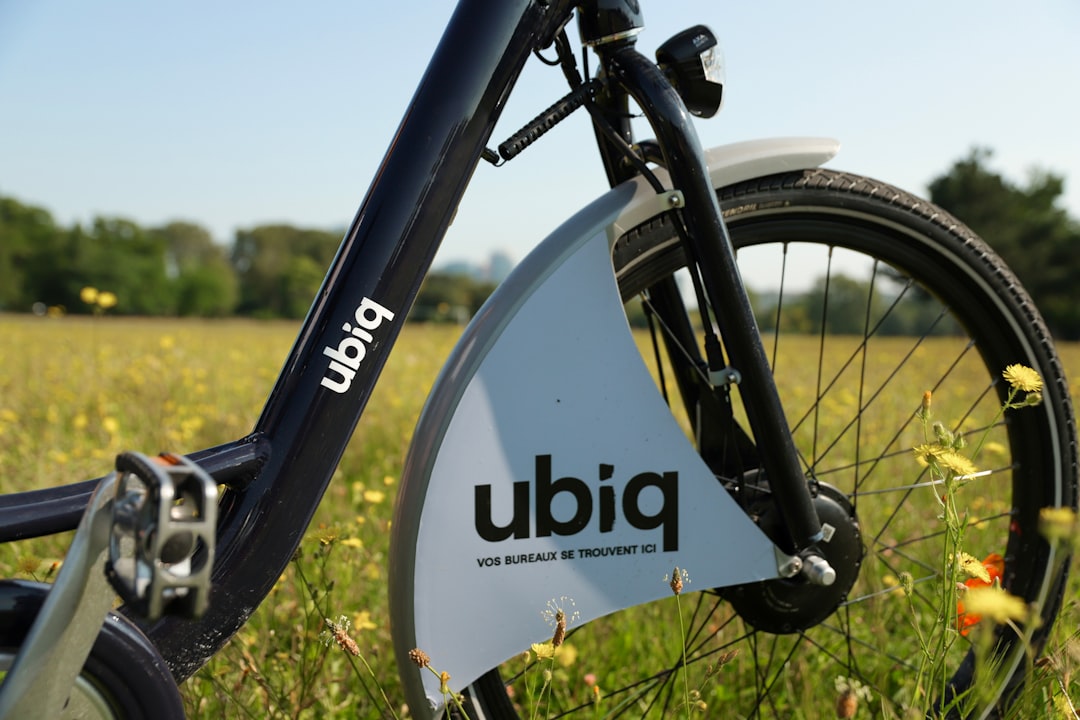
(956, 462)
(1021, 377)
(1057, 523)
(567, 655)
(926, 453)
(362, 621)
(972, 567)
(544, 650)
(994, 603)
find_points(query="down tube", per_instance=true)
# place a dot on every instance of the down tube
(361, 306)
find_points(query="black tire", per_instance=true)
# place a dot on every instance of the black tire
(124, 677)
(932, 277)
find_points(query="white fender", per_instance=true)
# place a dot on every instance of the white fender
(545, 464)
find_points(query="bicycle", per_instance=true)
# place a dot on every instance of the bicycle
(590, 482)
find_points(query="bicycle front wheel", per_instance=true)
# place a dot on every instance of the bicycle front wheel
(866, 298)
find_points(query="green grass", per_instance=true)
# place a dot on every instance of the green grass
(74, 392)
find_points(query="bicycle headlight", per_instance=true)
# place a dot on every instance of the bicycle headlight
(694, 64)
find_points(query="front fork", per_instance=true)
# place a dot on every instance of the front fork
(709, 249)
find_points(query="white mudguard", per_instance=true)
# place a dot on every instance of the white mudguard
(546, 466)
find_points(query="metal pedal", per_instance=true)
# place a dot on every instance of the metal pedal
(162, 546)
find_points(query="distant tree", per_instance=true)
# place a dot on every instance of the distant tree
(206, 284)
(120, 256)
(450, 297)
(25, 231)
(280, 268)
(1026, 226)
(837, 303)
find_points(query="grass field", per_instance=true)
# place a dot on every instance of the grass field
(76, 391)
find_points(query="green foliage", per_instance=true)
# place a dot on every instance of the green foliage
(1026, 226)
(23, 229)
(450, 297)
(845, 306)
(280, 268)
(206, 285)
(276, 270)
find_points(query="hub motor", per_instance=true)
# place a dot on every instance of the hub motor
(788, 605)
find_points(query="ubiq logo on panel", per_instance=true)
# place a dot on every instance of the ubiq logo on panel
(345, 359)
(604, 505)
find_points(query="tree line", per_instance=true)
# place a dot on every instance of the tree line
(274, 271)
(270, 271)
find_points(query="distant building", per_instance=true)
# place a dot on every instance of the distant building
(496, 269)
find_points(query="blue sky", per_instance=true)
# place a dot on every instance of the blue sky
(232, 114)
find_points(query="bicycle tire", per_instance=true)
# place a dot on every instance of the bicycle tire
(791, 674)
(124, 677)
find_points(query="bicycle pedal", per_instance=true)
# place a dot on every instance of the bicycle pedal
(161, 548)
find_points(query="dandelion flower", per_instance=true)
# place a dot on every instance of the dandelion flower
(996, 604)
(1057, 523)
(362, 621)
(925, 454)
(973, 568)
(106, 300)
(957, 463)
(567, 655)
(544, 650)
(88, 295)
(1021, 377)
(28, 564)
(444, 682)
(994, 564)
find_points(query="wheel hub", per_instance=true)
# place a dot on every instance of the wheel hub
(789, 605)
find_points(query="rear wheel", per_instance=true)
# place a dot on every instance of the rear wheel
(124, 677)
(866, 297)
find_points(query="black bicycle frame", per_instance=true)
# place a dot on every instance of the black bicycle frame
(276, 476)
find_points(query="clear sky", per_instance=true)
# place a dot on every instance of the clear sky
(236, 113)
